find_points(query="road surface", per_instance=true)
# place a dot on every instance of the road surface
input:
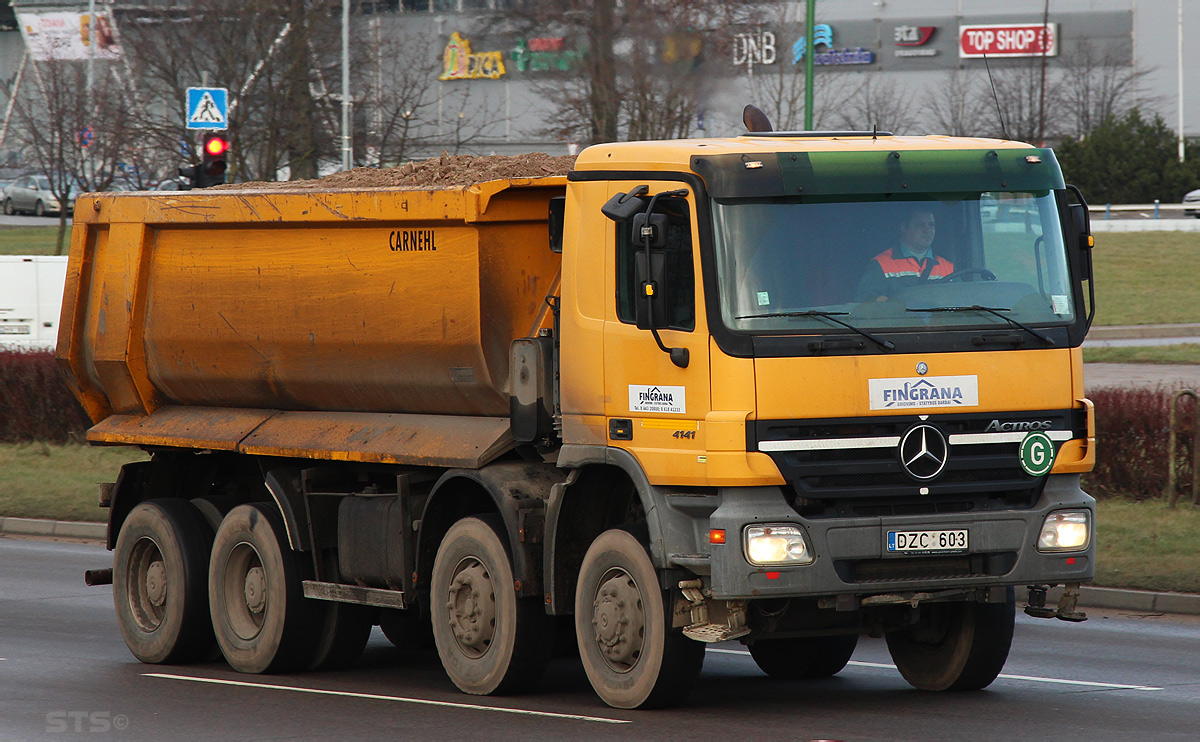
(64, 670)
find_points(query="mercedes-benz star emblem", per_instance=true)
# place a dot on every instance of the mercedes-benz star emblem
(923, 452)
(922, 368)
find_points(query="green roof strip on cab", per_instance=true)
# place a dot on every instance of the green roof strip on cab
(852, 173)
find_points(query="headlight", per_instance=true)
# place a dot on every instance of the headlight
(1066, 530)
(777, 545)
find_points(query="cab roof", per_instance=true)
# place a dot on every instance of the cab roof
(675, 155)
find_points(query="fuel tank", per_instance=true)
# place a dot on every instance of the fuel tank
(365, 300)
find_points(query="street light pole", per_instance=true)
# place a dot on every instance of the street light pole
(347, 148)
(810, 15)
(1179, 77)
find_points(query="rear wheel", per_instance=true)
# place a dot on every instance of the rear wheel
(957, 646)
(807, 657)
(160, 582)
(489, 640)
(8, 207)
(259, 614)
(632, 656)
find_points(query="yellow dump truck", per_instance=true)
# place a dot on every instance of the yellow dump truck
(782, 388)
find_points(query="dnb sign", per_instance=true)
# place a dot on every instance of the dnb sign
(1008, 40)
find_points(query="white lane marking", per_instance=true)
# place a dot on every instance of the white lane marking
(377, 697)
(1029, 678)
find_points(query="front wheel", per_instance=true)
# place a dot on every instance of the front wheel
(160, 582)
(632, 656)
(808, 657)
(490, 640)
(39, 209)
(956, 646)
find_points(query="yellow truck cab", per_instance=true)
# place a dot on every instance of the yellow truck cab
(783, 388)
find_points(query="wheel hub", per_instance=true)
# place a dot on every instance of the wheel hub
(619, 621)
(256, 590)
(156, 583)
(472, 609)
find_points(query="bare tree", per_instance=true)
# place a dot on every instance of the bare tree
(1096, 86)
(75, 136)
(874, 102)
(1019, 92)
(959, 105)
(273, 56)
(408, 111)
(629, 86)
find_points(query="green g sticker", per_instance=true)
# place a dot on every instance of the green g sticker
(1037, 454)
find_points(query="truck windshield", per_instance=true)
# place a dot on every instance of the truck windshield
(876, 262)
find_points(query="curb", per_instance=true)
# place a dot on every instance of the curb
(1142, 601)
(53, 528)
(1183, 332)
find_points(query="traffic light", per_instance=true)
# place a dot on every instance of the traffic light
(213, 164)
(212, 159)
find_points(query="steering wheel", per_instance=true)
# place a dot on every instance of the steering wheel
(987, 274)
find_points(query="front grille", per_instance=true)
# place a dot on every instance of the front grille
(822, 462)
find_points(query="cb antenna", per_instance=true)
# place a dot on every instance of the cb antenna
(995, 97)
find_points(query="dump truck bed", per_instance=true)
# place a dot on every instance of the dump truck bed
(315, 322)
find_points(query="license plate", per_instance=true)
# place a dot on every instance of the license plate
(924, 542)
(14, 329)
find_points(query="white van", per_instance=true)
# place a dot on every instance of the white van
(31, 292)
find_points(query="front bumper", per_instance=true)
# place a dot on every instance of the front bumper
(851, 557)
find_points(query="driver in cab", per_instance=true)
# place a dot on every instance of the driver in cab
(908, 264)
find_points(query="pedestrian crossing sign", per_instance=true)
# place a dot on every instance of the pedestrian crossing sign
(207, 108)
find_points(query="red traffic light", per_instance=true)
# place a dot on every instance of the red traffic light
(216, 146)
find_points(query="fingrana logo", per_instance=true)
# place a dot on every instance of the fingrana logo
(654, 395)
(923, 391)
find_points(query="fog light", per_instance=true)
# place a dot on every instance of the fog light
(1067, 530)
(777, 545)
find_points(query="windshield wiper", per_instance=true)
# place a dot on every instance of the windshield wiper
(993, 311)
(829, 316)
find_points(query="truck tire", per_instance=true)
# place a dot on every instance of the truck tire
(160, 582)
(632, 656)
(259, 614)
(804, 658)
(959, 646)
(408, 630)
(344, 629)
(489, 640)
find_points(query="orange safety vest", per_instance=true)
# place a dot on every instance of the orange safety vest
(895, 266)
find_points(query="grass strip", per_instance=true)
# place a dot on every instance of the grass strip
(1147, 546)
(31, 240)
(58, 482)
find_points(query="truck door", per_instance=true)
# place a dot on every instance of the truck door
(656, 407)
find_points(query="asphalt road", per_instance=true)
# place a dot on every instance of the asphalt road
(65, 671)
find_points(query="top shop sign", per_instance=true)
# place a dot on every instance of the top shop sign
(1008, 40)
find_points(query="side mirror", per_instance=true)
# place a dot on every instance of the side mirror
(650, 281)
(624, 205)
(652, 226)
(1082, 226)
(557, 218)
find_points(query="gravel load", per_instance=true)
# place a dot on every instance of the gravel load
(447, 171)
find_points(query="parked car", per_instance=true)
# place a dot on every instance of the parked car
(1192, 200)
(31, 194)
